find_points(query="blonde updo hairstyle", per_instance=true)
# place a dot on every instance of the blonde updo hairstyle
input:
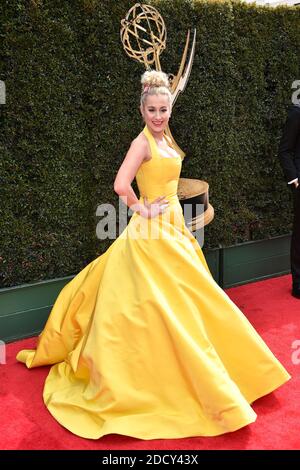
(155, 83)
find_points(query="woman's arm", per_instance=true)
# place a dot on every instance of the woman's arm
(137, 152)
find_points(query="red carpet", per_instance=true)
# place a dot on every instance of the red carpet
(26, 423)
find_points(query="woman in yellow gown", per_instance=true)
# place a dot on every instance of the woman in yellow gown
(143, 342)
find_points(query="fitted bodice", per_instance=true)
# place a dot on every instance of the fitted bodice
(158, 176)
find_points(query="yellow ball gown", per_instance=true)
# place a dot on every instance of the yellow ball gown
(143, 342)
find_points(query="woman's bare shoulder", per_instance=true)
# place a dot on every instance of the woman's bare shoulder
(141, 141)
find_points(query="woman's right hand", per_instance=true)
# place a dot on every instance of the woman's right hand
(158, 206)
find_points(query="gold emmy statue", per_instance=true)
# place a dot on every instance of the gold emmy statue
(143, 35)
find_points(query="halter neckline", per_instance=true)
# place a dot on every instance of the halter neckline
(155, 146)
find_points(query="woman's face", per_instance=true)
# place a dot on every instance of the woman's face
(156, 113)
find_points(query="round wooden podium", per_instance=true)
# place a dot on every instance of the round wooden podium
(194, 199)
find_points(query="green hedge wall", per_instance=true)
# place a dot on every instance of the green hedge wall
(72, 110)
